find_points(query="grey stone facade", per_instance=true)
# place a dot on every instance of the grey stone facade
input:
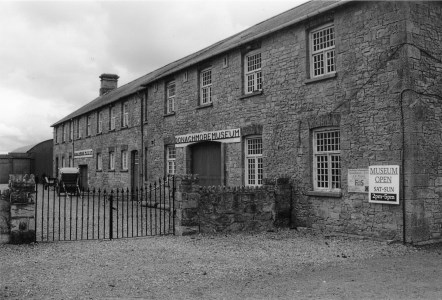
(384, 98)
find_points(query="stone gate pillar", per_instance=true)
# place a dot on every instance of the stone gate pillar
(5, 217)
(22, 193)
(187, 197)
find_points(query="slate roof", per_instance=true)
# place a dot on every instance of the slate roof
(278, 22)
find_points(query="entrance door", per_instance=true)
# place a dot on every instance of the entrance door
(83, 177)
(206, 162)
(134, 178)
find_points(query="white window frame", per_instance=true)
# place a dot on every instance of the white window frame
(125, 114)
(253, 161)
(322, 51)
(171, 160)
(71, 162)
(113, 118)
(253, 72)
(225, 61)
(327, 160)
(100, 122)
(63, 162)
(78, 128)
(56, 134)
(185, 76)
(124, 160)
(170, 97)
(112, 160)
(99, 162)
(206, 86)
(63, 134)
(71, 130)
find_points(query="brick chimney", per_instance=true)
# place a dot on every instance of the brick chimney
(109, 82)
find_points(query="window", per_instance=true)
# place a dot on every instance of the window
(124, 160)
(225, 61)
(99, 162)
(63, 162)
(171, 157)
(206, 86)
(253, 73)
(63, 132)
(88, 125)
(71, 130)
(111, 160)
(100, 122)
(71, 162)
(78, 132)
(145, 111)
(185, 76)
(322, 49)
(125, 114)
(56, 134)
(112, 118)
(170, 97)
(253, 161)
(327, 160)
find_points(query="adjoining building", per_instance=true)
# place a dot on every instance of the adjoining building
(320, 94)
(32, 159)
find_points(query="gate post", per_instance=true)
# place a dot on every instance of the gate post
(111, 215)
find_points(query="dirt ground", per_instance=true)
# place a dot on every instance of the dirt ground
(287, 264)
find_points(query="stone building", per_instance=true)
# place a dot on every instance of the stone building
(317, 94)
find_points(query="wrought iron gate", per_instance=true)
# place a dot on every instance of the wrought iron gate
(100, 214)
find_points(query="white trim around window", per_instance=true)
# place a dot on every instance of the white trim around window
(206, 86)
(113, 118)
(327, 160)
(99, 162)
(322, 51)
(171, 160)
(124, 157)
(170, 97)
(253, 161)
(112, 161)
(252, 72)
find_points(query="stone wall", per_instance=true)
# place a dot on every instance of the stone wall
(230, 209)
(5, 217)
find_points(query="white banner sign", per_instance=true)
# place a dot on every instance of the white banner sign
(383, 184)
(83, 153)
(224, 136)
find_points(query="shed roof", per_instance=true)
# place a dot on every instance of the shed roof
(278, 22)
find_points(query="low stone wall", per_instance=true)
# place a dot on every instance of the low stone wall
(5, 217)
(226, 209)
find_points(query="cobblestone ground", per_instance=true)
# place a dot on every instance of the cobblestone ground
(286, 264)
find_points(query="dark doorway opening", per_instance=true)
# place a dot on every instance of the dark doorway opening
(83, 177)
(134, 177)
(207, 163)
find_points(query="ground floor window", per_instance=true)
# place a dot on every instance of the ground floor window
(327, 159)
(171, 158)
(111, 161)
(99, 162)
(124, 160)
(253, 161)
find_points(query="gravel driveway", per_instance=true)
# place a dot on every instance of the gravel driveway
(286, 264)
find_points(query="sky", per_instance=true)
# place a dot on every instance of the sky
(52, 53)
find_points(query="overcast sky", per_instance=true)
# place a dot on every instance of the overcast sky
(51, 53)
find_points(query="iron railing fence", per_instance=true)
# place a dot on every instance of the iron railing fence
(105, 214)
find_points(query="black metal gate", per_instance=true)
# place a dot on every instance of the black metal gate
(100, 214)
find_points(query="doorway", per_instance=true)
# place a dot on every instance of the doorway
(207, 163)
(83, 177)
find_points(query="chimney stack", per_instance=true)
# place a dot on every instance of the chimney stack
(109, 82)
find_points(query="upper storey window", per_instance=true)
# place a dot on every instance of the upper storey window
(322, 49)
(125, 114)
(113, 117)
(170, 97)
(206, 86)
(252, 73)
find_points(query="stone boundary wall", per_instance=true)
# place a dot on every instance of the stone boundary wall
(230, 209)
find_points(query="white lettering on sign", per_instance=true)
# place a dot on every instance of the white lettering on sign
(83, 153)
(383, 184)
(229, 135)
(358, 180)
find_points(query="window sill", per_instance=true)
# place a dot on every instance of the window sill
(99, 171)
(124, 127)
(99, 133)
(112, 171)
(257, 93)
(111, 130)
(320, 78)
(204, 106)
(169, 114)
(124, 171)
(324, 194)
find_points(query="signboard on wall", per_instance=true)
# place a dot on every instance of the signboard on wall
(83, 153)
(383, 184)
(224, 136)
(358, 180)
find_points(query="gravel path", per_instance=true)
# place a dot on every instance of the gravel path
(245, 265)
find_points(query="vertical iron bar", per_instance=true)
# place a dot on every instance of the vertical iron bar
(164, 207)
(36, 212)
(141, 208)
(76, 217)
(156, 204)
(122, 212)
(136, 193)
(70, 215)
(118, 213)
(64, 219)
(47, 218)
(173, 204)
(59, 214)
(93, 214)
(87, 218)
(104, 214)
(159, 206)
(99, 198)
(132, 203)
(82, 213)
(53, 217)
(150, 208)
(42, 213)
(111, 215)
(127, 211)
